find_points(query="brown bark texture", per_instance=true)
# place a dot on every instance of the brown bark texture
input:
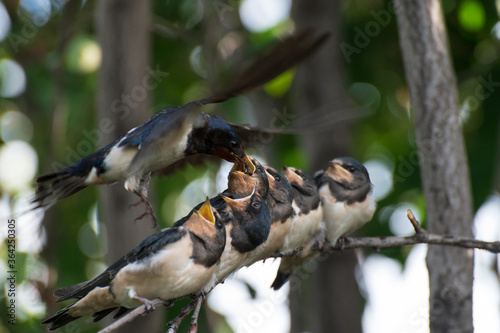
(443, 161)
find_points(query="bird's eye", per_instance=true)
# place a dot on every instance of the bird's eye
(256, 205)
(303, 177)
(233, 144)
(277, 178)
(259, 169)
(351, 168)
(219, 224)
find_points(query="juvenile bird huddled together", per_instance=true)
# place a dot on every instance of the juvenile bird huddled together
(263, 213)
(260, 215)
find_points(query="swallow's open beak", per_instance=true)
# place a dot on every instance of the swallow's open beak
(206, 212)
(237, 168)
(251, 166)
(244, 165)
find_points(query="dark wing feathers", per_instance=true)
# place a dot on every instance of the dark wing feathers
(312, 122)
(155, 127)
(250, 135)
(287, 54)
(147, 247)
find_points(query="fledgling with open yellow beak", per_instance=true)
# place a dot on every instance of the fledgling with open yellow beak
(174, 263)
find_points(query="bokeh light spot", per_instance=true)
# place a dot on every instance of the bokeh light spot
(365, 94)
(471, 15)
(4, 22)
(15, 125)
(83, 55)
(197, 63)
(12, 78)
(261, 15)
(18, 165)
(381, 177)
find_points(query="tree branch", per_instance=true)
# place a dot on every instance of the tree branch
(421, 236)
(174, 324)
(140, 310)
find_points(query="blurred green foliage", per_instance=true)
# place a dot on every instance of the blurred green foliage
(59, 61)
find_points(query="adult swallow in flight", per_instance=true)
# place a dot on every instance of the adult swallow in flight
(171, 264)
(173, 134)
(345, 191)
(306, 224)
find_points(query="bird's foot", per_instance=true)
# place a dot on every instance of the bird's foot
(341, 242)
(150, 306)
(149, 211)
(135, 204)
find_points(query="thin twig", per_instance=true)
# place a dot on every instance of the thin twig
(421, 236)
(194, 318)
(141, 310)
(176, 322)
(418, 228)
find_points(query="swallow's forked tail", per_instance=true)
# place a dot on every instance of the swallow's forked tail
(54, 187)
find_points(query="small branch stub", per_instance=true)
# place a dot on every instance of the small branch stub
(418, 228)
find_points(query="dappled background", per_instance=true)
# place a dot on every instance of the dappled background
(50, 57)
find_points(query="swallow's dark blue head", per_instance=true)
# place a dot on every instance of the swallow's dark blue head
(217, 137)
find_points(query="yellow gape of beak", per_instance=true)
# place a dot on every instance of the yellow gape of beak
(206, 212)
(226, 199)
(236, 169)
(249, 164)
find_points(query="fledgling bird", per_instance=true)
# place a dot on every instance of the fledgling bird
(248, 223)
(345, 192)
(308, 212)
(242, 184)
(306, 224)
(279, 201)
(173, 134)
(346, 196)
(171, 264)
(246, 218)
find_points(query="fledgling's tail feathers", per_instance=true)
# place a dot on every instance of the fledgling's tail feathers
(60, 319)
(280, 280)
(54, 187)
(101, 314)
